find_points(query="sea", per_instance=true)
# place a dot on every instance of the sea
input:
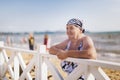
(107, 44)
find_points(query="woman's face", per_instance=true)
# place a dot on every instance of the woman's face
(72, 31)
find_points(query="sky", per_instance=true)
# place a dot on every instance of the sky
(52, 15)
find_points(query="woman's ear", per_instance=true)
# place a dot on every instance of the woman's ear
(80, 30)
(83, 30)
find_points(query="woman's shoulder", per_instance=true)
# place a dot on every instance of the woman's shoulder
(86, 38)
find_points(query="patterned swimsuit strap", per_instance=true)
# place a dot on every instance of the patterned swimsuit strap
(79, 48)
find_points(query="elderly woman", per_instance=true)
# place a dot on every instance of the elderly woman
(78, 45)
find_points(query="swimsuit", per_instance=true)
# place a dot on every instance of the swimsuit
(68, 66)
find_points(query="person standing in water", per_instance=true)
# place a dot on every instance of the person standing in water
(31, 41)
(78, 45)
(47, 41)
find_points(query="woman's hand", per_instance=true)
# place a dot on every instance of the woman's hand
(61, 54)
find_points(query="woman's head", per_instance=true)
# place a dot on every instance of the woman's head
(74, 28)
(77, 23)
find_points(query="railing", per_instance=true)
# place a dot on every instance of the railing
(91, 69)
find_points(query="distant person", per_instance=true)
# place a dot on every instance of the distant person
(47, 41)
(23, 40)
(78, 45)
(9, 41)
(31, 41)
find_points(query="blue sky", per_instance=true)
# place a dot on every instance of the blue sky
(52, 15)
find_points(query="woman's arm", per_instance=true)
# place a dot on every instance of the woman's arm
(86, 54)
(57, 48)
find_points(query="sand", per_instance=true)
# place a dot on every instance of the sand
(113, 74)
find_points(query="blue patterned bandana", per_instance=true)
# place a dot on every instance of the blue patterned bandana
(75, 22)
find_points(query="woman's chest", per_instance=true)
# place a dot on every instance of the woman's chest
(77, 46)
